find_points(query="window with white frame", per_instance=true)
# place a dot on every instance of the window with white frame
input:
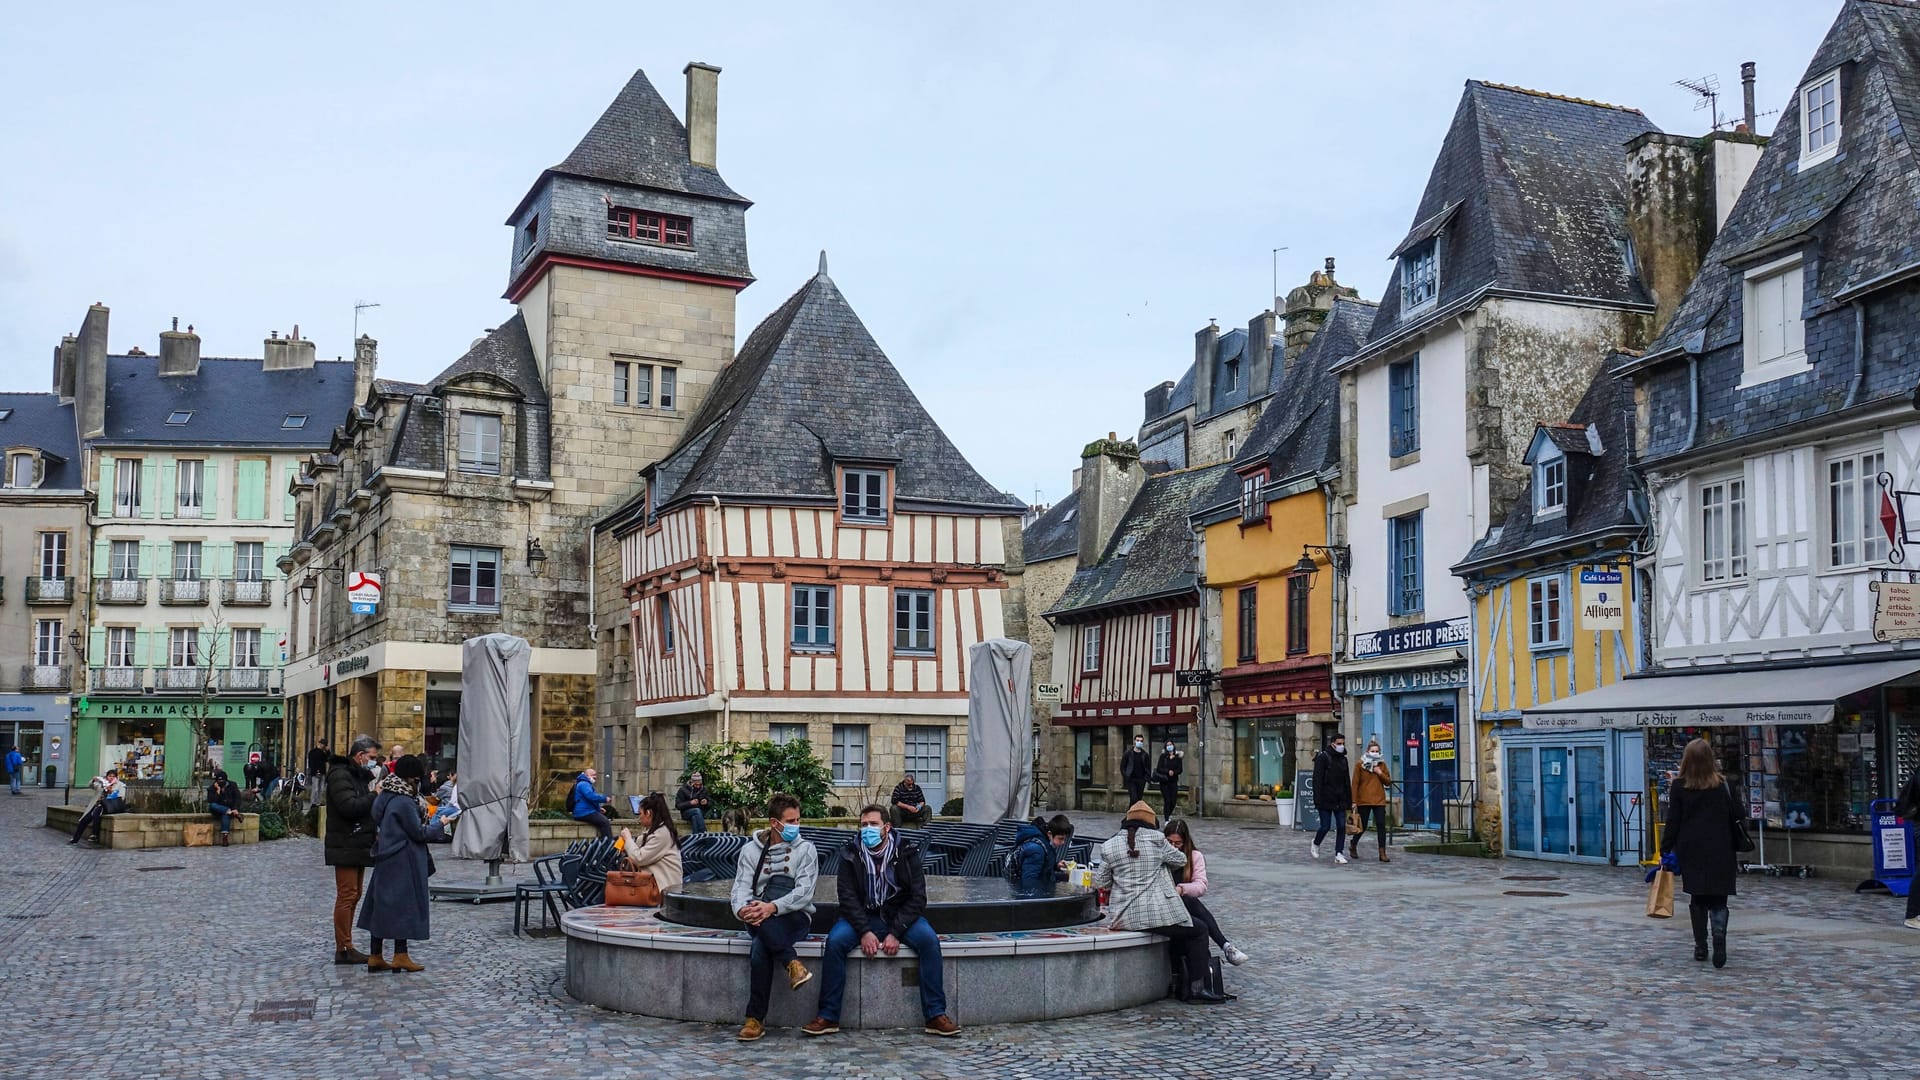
(1723, 531)
(1419, 277)
(850, 754)
(1090, 637)
(249, 561)
(123, 560)
(622, 382)
(1774, 335)
(863, 495)
(120, 646)
(186, 560)
(913, 621)
(126, 487)
(189, 478)
(473, 578)
(669, 387)
(782, 734)
(1253, 498)
(813, 617)
(1163, 640)
(479, 443)
(20, 470)
(53, 556)
(183, 647)
(48, 639)
(1550, 485)
(1820, 119)
(246, 647)
(1854, 534)
(1547, 612)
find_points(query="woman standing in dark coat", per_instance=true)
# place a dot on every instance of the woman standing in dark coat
(396, 905)
(1701, 826)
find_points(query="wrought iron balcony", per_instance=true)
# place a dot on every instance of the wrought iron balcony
(55, 591)
(257, 593)
(45, 677)
(180, 678)
(246, 679)
(119, 678)
(120, 590)
(185, 590)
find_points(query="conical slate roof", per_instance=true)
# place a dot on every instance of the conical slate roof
(811, 388)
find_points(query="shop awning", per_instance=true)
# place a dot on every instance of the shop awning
(1784, 695)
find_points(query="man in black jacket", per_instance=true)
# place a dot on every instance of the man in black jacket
(1332, 796)
(883, 893)
(349, 839)
(1135, 767)
(694, 803)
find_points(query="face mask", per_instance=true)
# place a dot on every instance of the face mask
(870, 835)
(1139, 744)
(1169, 748)
(1339, 748)
(789, 833)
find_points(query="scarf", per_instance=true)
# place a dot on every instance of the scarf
(880, 884)
(393, 785)
(1370, 758)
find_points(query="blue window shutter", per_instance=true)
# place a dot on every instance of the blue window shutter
(210, 489)
(97, 647)
(149, 490)
(166, 489)
(103, 504)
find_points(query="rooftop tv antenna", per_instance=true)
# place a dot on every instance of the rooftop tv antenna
(1707, 89)
(358, 307)
(1276, 272)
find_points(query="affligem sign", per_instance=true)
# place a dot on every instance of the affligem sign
(1603, 600)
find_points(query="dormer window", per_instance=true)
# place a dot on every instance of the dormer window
(1231, 380)
(1253, 498)
(20, 470)
(1773, 330)
(1550, 486)
(863, 496)
(1820, 119)
(479, 443)
(529, 235)
(649, 227)
(1419, 277)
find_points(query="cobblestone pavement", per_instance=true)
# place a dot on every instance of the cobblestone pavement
(205, 961)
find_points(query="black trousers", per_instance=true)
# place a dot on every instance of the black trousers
(1379, 816)
(91, 819)
(600, 824)
(1189, 942)
(1204, 919)
(1136, 791)
(1169, 795)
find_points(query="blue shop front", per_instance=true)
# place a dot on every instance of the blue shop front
(41, 725)
(1406, 687)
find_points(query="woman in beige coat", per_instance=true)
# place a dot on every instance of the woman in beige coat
(658, 849)
(1370, 783)
(1133, 866)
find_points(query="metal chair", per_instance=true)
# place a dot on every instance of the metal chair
(545, 887)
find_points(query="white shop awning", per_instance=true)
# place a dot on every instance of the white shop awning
(1783, 695)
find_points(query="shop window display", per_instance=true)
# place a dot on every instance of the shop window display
(1261, 752)
(138, 750)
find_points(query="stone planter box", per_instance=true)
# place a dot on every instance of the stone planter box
(127, 831)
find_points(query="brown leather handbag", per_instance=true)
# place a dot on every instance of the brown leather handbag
(632, 888)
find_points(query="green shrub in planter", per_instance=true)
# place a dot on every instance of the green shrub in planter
(954, 808)
(272, 826)
(544, 814)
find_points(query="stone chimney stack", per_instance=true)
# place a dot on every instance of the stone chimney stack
(1110, 475)
(1305, 308)
(703, 102)
(366, 359)
(1746, 93)
(287, 353)
(1206, 344)
(1158, 398)
(64, 355)
(1260, 333)
(179, 352)
(1679, 192)
(90, 374)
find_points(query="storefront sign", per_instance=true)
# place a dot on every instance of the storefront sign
(1399, 682)
(363, 592)
(352, 664)
(1758, 715)
(1046, 691)
(129, 709)
(1603, 600)
(1896, 610)
(1440, 742)
(1406, 639)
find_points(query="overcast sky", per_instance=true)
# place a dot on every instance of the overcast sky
(1033, 207)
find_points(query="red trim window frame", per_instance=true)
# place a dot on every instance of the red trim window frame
(1093, 648)
(1253, 497)
(649, 227)
(1153, 641)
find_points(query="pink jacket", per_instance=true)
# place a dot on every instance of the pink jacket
(1198, 886)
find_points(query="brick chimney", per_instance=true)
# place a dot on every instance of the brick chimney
(287, 353)
(1110, 475)
(1305, 308)
(703, 102)
(179, 351)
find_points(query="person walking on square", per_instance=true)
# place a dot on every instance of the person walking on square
(694, 803)
(883, 892)
(1332, 796)
(909, 804)
(1701, 827)
(1370, 782)
(1166, 773)
(1190, 881)
(588, 805)
(15, 762)
(1133, 867)
(773, 884)
(397, 902)
(223, 802)
(1135, 767)
(349, 839)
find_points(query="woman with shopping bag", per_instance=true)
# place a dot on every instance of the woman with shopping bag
(1705, 827)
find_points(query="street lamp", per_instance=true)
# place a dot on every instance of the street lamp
(1338, 556)
(536, 555)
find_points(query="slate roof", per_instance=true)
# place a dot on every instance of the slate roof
(1160, 564)
(233, 402)
(809, 388)
(505, 354)
(1054, 534)
(1528, 194)
(40, 421)
(1600, 498)
(640, 142)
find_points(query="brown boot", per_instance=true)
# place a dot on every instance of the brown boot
(797, 974)
(377, 962)
(403, 962)
(1383, 855)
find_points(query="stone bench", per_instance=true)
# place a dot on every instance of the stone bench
(134, 830)
(629, 960)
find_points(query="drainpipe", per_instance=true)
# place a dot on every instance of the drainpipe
(1859, 354)
(726, 693)
(1693, 399)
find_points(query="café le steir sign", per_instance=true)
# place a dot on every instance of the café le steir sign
(1727, 716)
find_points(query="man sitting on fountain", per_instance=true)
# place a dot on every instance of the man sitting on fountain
(773, 895)
(883, 891)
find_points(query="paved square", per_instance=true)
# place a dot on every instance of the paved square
(215, 961)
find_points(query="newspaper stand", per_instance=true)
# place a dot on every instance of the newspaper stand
(1892, 850)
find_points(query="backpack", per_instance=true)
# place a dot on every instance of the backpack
(1018, 860)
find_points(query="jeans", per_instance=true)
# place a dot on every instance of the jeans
(696, 819)
(1334, 821)
(221, 816)
(1203, 919)
(1379, 816)
(600, 824)
(843, 940)
(346, 896)
(13, 781)
(772, 949)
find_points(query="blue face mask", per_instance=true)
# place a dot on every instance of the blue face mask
(789, 833)
(870, 835)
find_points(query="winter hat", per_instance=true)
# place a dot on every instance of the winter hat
(409, 768)
(1141, 813)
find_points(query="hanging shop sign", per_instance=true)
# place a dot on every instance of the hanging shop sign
(1896, 610)
(1603, 600)
(363, 592)
(1406, 639)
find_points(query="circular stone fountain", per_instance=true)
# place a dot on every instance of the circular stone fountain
(1008, 957)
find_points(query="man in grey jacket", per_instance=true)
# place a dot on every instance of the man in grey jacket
(773, 895)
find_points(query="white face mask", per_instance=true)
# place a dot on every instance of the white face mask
(1139, 744)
